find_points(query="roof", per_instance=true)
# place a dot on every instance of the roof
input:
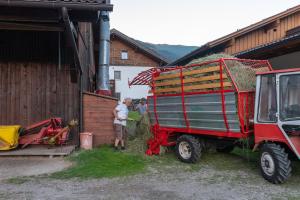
(238, 33)
(268, 46)
(71, 4)
(139, 45)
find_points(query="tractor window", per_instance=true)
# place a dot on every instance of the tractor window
(290, 97)
(267, 99)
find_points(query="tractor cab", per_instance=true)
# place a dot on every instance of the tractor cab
(277, 121)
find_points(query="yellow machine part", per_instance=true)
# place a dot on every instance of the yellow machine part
(9, 136)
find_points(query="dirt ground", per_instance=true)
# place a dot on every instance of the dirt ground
(172, 181)
(11, 167)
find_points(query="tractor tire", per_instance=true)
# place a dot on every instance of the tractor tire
(226, 149)
(188, 149)
(275, 165)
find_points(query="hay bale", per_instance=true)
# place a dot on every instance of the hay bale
(138, 144)
(131, 127)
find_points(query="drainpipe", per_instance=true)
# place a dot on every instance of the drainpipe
(102, 81)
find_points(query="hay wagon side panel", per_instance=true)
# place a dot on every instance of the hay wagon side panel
(204, 111)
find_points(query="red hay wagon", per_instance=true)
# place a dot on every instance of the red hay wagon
(224, 102)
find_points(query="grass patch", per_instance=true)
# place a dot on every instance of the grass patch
(134, 115)
(293, 198)
(102, 162)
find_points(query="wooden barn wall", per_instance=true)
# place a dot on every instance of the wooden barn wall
(33, 85)
(31, 92)
(86, 55)
(98, 118)
(262, 36)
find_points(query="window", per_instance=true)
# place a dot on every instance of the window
(124, 55)
(118, 95)
(290, 97)
(117, 75)
(267, 99)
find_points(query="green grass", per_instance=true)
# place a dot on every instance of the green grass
(134, 115)
(105, 162)
(102, 162)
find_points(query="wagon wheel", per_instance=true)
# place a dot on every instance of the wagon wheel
(188, 149)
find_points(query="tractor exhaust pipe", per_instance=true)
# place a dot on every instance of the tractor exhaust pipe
(102, 81)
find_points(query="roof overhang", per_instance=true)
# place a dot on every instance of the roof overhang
(45, 15)
(95, 5)
(261, 24)
(276, 48)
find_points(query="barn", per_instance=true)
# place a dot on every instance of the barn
(276, 38)
(47, 62)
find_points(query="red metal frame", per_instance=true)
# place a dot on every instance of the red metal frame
(187, 123)
(223, 97)
(154, 101)
(280, 71)
(272, 133)
(146, 77)
(246, 99)
(161, 135)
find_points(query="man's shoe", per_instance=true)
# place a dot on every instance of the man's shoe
(116, 148)
(123, 148)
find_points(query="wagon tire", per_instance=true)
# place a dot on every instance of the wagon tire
(188, 149)
(226, 149)
(275, 165)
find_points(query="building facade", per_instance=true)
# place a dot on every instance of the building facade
(276, 38)
(128, 58)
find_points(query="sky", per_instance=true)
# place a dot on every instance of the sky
(190, 22)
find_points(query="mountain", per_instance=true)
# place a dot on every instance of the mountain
(170, 52)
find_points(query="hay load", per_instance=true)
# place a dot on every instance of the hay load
(138, 142)
(206, 77)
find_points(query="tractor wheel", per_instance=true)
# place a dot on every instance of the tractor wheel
(188, 149)
(226, 149)
(275, 165)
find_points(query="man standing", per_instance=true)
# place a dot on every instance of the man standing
(121, 115)
(142, 107)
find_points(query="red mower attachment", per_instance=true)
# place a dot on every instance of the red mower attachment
(50, 131)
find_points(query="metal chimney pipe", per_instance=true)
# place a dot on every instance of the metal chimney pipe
(103, 85)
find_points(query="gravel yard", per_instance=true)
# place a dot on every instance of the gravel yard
(218, 176)
(12, 167)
